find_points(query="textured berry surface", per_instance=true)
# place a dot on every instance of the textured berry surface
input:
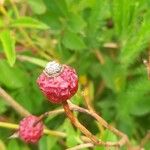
(59, 88)
(30, 132)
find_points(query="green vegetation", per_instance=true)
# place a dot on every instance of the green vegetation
(105, 41)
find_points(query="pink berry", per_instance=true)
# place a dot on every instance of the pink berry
(30, 129)
(58, 82)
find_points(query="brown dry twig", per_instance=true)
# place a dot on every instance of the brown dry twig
(99, 56)
(81, 146)
(124, 139)
(12, 102)
(77, 124)
(23, 112)
(111, 45)
(147, 64)
(101, 88)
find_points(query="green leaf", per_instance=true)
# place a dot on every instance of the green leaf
(107, 136)
(72, 135)
(3, 106)
(73, 41)
(48, 142)
(147, 145)
(95, 22)
(33, 60)
(113, 75)
(57, 7)
(11, 77)
(76, 23)
(133, 96)
(81, 5)
(124, 13)
(136, 39)
(13, 143)
(8, 43)
(135, 45)
(141, 107)
(28, 22)
(38, 6)
(30, 90)
(52, 20)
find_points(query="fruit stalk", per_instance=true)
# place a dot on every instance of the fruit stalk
(40, 118)
(77, 124)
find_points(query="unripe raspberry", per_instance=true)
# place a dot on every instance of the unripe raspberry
(58, 82)
(30, 129)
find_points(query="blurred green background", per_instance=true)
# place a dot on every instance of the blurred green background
(106, 41)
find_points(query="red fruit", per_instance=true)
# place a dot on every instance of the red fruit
(30, 129)
(58, 82)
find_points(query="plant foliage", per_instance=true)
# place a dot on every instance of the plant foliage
(106, 41)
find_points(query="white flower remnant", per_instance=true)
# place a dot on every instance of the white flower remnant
(53, 68)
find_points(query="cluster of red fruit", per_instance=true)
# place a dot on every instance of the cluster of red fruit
(58, 83)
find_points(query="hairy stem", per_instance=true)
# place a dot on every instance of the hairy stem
(77, 124)
(124, 138)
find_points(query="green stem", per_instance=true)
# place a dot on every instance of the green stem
(46, 131)
(15, 8)
(32, 60)
(9, 125)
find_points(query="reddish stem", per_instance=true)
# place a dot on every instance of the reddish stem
(77, 124)
(40, 118)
